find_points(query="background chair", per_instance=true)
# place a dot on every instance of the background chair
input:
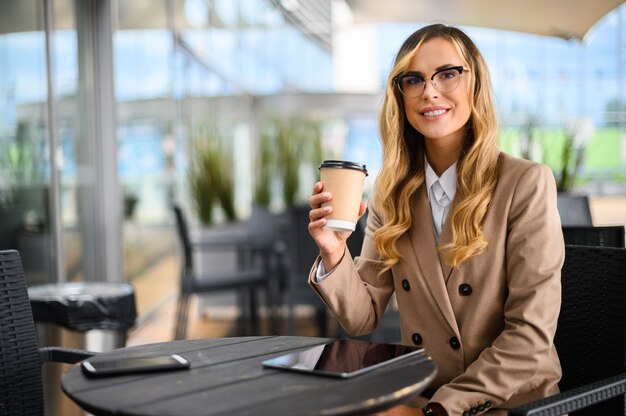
(301, 252)
(574, 209)
(590, 336)
(266, 232)
(606, 236)
(246, 280)
(355, 241)
(21, 387)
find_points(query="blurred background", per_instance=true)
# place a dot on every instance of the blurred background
(110, 110)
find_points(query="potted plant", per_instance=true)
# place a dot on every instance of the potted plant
(564, 151)
(265, 170)
(286, 145)
(24, 191)
(568, 153)
(210, 176)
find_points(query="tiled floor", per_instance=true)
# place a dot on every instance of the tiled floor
(157, 324)
(157, 317)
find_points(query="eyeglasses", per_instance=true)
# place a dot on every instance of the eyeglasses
(412, 84)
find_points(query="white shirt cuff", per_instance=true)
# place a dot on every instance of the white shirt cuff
(321, 273)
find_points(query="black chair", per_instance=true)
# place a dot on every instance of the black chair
(605, 236)
(355, 241)
(590, 337)
(21, 360)
(246, 280)
(266, 233)
(301, 252)
(574, 209)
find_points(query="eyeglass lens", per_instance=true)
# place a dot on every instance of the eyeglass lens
(445, 80)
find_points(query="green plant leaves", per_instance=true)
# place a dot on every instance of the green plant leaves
(285, 146)
(211, 176)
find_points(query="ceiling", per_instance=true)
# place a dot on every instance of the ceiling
(568, 19)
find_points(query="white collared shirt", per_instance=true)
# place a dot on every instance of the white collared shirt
(440, 199)
(441, 190)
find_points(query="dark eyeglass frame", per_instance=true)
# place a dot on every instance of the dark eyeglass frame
(398, 78)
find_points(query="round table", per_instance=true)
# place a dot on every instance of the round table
(227, 378)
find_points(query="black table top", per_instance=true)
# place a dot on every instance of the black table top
(227, 378)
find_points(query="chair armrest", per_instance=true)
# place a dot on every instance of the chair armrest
(242, 243)
(63, 355)
(220, 243)
(574, 399)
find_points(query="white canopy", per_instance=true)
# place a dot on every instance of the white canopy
(568, 19)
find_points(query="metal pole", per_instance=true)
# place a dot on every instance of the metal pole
(57, 259)
(620, 79)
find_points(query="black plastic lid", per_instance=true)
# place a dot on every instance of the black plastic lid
(85, 306)
(343, 164)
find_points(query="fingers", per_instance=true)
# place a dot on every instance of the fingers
(316, 225)
(318, 188)
(318, 197)
(317, 214)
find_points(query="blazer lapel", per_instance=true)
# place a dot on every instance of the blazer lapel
(422, 236)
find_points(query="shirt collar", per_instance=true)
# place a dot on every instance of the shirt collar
(447, 180)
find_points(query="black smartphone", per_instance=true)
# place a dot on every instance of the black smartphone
(97, 368)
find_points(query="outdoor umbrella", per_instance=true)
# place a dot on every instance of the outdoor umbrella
(568, 19)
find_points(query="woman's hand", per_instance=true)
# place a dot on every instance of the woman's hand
(332, 244)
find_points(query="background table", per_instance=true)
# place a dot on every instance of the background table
(227, 378)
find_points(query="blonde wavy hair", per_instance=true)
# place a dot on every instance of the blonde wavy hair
(402, 172)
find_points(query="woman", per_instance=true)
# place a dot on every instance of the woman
(467, 237)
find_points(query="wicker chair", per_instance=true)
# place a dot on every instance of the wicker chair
(590, 337)
(21, 386)
(605, 236)
(574, 209)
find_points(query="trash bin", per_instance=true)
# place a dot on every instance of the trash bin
(86, 315)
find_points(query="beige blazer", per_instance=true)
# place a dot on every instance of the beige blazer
(488, 324)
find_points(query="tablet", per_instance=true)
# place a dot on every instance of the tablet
(343, 358)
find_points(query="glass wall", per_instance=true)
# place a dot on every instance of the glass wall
(23, 144)
(27, 91)
(189, 71)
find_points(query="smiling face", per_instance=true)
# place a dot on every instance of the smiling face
(440, 117)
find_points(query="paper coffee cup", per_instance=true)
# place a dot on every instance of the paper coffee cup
(345, 181)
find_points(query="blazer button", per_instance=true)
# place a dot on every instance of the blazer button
(454, 343)
(405, 285)
(416, 338)
(465, 289)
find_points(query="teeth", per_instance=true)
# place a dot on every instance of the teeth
(434, 113)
